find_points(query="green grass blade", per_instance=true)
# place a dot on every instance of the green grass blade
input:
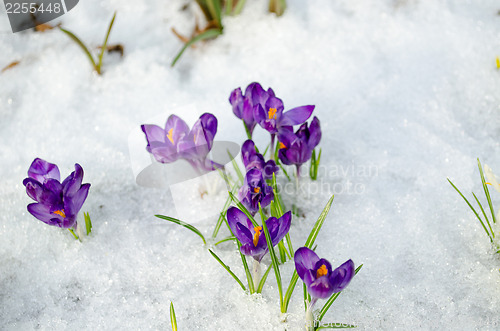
(74, 234)
(184, 224)
(103, 49)
(173, 319)
(263, 279)
(223, 213)
(332, 299)
(215, 10)
(239, 7)
(243, 209)
(311, 167)
(236, 168)
(211, 33)
(486, 217)
(230, 238)
(282, 250)
(204, 9)
(229, 7)
(337, 325)
(289, 291)
(487, 193)
(277, 6)
(274, 259)
(470, 206)
(278, 163)
(319, 223)
(82, 46)
(228, 269)
(88, 223)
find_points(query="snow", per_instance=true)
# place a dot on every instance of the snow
(407, 93)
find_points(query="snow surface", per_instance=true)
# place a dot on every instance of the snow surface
(407, 93)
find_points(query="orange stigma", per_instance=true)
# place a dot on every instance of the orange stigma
(256, 189)
(282, 145)
(256, 236)
(272, 113)
(60, 213)
(170, 134)
(322, 271)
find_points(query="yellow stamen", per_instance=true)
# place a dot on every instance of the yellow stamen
(256, 189)
(272, 113)
(194, 137)
(170, 135)
(489, 184)
(256, 236)
(322, 271)
(60, 213)
(282, 145)
(498, 62)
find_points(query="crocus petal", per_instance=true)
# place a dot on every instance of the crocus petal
(179, 130)
(42, 213)
(259, 113)
(284, 226)
(153, 133)
(73, 204)
(296, 115)
(247, 150)
(236, 100)
(314, 133)
(238, 222)
(209, 123)
(320, 288)
(257, 252)
(42, 170)
(40, 193)
(342, 276)
(254, 93)
(73, 182)
(305, 259)
(490, 176)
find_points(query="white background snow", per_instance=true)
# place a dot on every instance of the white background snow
(406, 88)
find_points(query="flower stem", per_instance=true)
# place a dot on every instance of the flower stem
(297, 178)
(256, 273)
(271, 148)
(247, 130)
(310, 316)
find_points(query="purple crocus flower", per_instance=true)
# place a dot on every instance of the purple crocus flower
(317, 274)
(252, 238)
(58, 203)
(177, 141)
(270, 115)
(255, 190)
(164, 143)
(243, 104)
(252, 159)
(296, 148)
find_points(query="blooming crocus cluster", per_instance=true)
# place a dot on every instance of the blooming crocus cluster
(252, 159)
(255, 191)
(176, 141)
(57, 203)
(244, 104)
(296, 148)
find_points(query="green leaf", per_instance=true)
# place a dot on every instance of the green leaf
(274, 259)
(332, 299)
(74, 234)
(82, 46)
(488, 197)
(289, 291)
(228, 269)
(263, 279)
(472, 208)
(236, 168)
(215, 10)
(230, 238)
(184, 224)
(229, 7)
(243, 209)
(337, 325)
(173, 319)
(277, 6)
(105, 44)
(239, 6)
(282, 250)
(211, 33)
(223, 213)
(319, 223)
(88, 223)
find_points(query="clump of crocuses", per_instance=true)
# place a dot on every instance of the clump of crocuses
(57, 203)
(321, 281)
(175, 141)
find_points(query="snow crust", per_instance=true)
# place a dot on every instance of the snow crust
(407, 93)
